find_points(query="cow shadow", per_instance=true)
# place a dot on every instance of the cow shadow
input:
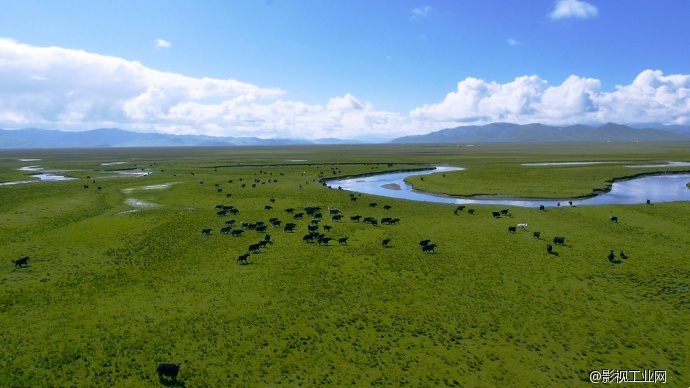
(171, 383)
(554, 253)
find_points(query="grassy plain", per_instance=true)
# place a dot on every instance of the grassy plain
(107, 294)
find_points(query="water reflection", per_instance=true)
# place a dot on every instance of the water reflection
(660, 188)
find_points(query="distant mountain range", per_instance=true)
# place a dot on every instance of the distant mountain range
(534, 133)
(113, 137)
(496, 132)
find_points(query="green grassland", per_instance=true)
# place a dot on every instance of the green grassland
(110, 293)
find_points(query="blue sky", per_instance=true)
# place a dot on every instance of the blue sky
(348, 69)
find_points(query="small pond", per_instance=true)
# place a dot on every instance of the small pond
(657, 188)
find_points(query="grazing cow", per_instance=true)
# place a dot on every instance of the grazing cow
(226, 230)
(289, 227)
(333, 211)
(234, 211)
(623, 256)
(228, 195)
(276, 223)
(254, 248)
(522, 226)
(387, 207)
(313, 228)
(309, 237)
(21, 262)
(549, 249)
(315, 222)
(318, 215)
(459, 209)
(261, 228)
(337, 217)
(429, 248)
(221, 213)
(386, 221)
(298, 216)
(86, 186)
(237, 232)
(267, 237)
(537, 235)
(324, 240)
(289, 210)
(168, 370)
(342, 241)
(571, 203)
(373, 204)
(263, 243)
(374, 222)
(218, 207)
(242, 259)
(424, 242)
(230, 222)
(355, 218)
(512, 229)
(470, 211)
(206, 232)
(386, 242)
(611, 256)
(559, 240)
(220, 190)
(614, 219)
(353, 199)
(327, 228)
(649, 202)
(496, 214)
(542, 208)
(267, 207)
(272, 200)
(504, 211)
(99, 188)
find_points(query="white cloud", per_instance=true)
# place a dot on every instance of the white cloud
(163, 43)
(573, 9)
(652, 97)
(52, 87)
(420, 12)
(513, 42)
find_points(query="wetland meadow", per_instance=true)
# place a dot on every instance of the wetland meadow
(121, 277)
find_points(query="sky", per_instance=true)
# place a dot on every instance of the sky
(349, 69)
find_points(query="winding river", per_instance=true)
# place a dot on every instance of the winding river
(657, 188)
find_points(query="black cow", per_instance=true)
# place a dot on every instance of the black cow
(327, 227)
(268, 238)
(387, 207)
(261, 228)
(496, 214)
(549, 249)
(168, 370)
(230, 222)
(512, 229)
(289, 210)
(237, 232)
(611, 256)
(276, 223)
(272, 200)
(333, 211)
(298, 216)
(242, 259)
(623, 256)
(428, 248)
(342, 241)
(559, 240)
(309, 237)
(324, 240)
(386, 242)
(504, 211)
(424, 243)
(313, 228)
(234, 211)
(267, 207)
(21, 262)
(355, 218)
(289, 227)
(542, 208)
(614, 219)
(459, 209)
(206, 232)
(337, 217)
(537, 235)
(226, 230)
(373, 204)
(254, 248)
(649, 202)
(470, 211)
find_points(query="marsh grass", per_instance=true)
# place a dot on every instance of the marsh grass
(106, 296)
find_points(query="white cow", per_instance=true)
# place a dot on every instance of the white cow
(522, 226)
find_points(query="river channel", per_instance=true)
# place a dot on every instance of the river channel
(656, 188)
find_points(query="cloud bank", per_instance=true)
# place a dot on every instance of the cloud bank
(52, 87)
